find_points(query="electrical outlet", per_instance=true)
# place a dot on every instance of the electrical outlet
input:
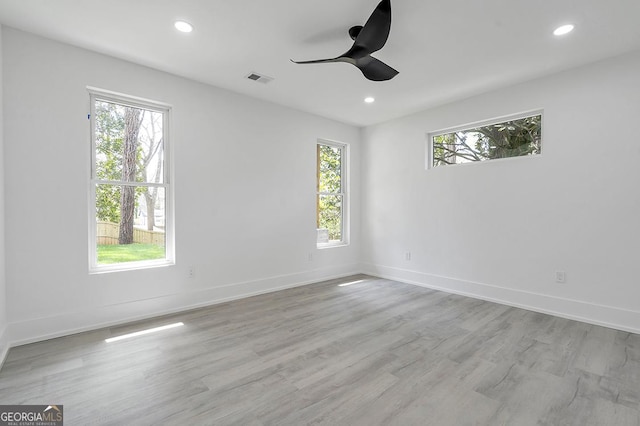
(561, 276)
(192, 272)
(310, 257)
(407, 256)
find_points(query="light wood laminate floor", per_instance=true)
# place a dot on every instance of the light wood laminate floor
(375, 352)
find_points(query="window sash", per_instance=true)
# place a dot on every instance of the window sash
(97, 95)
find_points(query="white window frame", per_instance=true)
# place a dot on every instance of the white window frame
(344, 186)
(482, 123)
(96, 94)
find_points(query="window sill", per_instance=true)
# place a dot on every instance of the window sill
(331, 245)
(131, 266)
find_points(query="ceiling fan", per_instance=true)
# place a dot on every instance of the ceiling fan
(367, 39)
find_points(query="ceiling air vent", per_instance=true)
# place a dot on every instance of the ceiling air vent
(259, 78)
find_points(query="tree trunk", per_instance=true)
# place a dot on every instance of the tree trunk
(150, 198)
(132, 121)
(151, 194)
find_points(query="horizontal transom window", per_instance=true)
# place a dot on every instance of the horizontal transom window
(514, 136)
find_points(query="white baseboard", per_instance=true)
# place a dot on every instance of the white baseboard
(606, 316)
(38, 329)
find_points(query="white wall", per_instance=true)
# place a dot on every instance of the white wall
(245, 201)
(3, 302)
(500, 230)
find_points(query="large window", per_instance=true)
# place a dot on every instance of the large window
(131, 191)
(331, 195)
(511, 137)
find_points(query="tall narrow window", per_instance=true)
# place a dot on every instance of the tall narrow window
(131, 189)
(331, 196)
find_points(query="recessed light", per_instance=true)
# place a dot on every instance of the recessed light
(562, 30)
(183, 26)
(369, 100)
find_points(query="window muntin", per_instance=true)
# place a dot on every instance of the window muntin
(514, 136)
(131, 190)
(331, 194)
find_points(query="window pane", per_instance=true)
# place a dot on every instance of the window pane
(130, 223)
(329, 218)
(329, 169)
(129, 143)
(513, 138)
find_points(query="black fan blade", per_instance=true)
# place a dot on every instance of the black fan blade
(317, 61)
(376, 70)
(375, 32)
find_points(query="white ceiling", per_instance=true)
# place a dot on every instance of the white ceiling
(444, 49)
